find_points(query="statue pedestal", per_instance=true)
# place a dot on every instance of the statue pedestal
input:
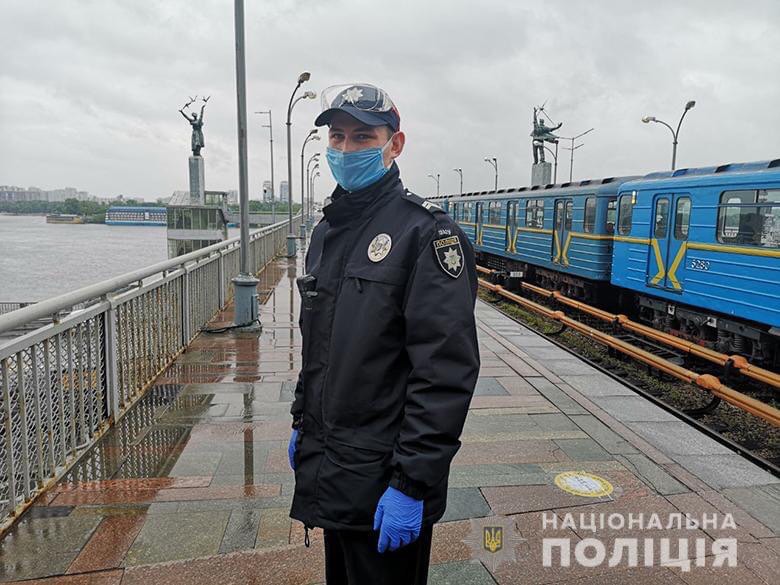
(541, 174)
(197, 179)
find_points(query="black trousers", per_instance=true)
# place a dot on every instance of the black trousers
(351, 558)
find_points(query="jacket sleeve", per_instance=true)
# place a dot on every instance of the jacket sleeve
(441, 342)
(296, 410)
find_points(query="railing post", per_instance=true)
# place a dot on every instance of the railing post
(111, 353)
(185, 306)
(9, 441)
(221, 265)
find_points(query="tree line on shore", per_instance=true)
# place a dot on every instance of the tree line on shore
(95, 211)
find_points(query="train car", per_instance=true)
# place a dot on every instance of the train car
(557, 236)
(700, 250)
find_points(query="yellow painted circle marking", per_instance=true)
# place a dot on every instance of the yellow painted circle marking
(581, 483)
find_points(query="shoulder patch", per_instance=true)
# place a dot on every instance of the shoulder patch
(450, 255)
(433, 208)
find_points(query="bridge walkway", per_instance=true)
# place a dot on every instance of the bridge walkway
(193, 486)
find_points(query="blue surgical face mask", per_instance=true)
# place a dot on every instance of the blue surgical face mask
(358, 169)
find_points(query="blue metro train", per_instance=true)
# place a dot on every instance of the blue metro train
(695, 252)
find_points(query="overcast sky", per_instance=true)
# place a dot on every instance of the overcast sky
(89, 89)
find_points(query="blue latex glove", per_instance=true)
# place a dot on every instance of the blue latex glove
(398, 518)
(291, 448)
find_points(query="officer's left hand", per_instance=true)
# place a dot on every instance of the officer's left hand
(398, 518)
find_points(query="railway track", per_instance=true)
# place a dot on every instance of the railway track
(668, 357)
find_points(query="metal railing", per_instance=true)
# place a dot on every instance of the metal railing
(7, 307)
(63, 384)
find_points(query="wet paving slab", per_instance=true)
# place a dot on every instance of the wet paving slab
(193, 484)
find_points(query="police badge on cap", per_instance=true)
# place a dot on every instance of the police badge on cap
(450, 255)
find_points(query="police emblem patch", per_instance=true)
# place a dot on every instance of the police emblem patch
(450, 255)
(379, 247)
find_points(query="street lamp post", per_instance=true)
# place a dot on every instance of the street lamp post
(311, 184)
(312, 136)
(555, 158)
(572, 148)
(314, 170)
(435, 178)
(675, 133)
(460, 172)
(302, 78)
(273, 188)
(313, 158)
(494, 163)
(245, 284)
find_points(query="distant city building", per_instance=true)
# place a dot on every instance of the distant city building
(268, 192)
(284, 191)
(13, 193)
(232, 197)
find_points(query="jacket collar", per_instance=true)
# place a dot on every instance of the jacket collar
(346, 206)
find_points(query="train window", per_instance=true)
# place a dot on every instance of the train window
(750, 217)
(558, 216)
(455, 211)
(624, 215)
(494, 212)
(589, 223)
(534, 213)
(466, 214)
(661, 218)
(682, 218)
(569, 214)
(611, 215)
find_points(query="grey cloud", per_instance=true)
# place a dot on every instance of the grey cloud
(89, 90)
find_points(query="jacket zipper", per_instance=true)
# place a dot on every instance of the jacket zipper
(347, 252)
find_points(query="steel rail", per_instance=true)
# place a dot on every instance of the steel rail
(706, 382)
(49, 307)
(682, 415)
(738, 362)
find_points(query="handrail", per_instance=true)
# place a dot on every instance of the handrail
(64, 384)
(48, 307)
(742, 365)
(704, 381)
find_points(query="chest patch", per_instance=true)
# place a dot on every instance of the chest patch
(450, 255)
(379, 247)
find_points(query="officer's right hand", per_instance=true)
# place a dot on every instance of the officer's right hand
(291, 448)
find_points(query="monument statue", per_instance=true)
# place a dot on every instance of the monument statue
(542, 134)
(196, 122)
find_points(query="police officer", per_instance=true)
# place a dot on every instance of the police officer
(390, 355)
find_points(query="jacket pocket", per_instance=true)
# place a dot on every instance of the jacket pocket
(384, 273)
(351, 481)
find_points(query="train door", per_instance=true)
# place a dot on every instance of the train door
(480, 221)
(511, 225)
(668, 240)
(562, 220)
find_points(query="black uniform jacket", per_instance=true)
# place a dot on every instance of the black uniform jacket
(390, 356)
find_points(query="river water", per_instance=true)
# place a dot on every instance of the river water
(39, 260)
